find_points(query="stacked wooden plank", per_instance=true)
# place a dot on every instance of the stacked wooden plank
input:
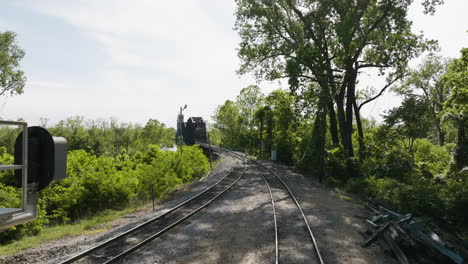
(409, 238)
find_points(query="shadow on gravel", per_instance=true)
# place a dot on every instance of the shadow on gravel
(238, 228)
(333, 221)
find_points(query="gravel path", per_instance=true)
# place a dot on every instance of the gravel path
(238, 228)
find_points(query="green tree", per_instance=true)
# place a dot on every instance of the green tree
(456, 106)
(73, 129)
(12, 78)
(249, 100)
(328, 42)
(424, 82)
(227, 119)
(156, 132)
(412, 119)
(280, 103)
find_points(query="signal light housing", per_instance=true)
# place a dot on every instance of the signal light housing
(47, 157)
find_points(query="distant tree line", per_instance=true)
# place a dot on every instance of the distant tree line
(101, 137)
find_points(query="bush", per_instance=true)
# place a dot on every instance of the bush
(96, 183)
(431, 159)
(335, 166)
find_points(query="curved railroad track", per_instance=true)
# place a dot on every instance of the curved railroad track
(128, 242)
(279, 186)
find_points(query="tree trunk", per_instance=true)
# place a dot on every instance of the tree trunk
(345, 116)
(270, 133)
(461, 152)
(322, 142)
(362, 151)
(261, 137)
(350, 101)
(440, 133)
(328, 103)
(341, 118)
(333, 124)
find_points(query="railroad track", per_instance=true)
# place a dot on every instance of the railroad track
(128, 242)
(275, 182)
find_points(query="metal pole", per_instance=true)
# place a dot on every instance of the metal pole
(152, 194)
(209, 149)
(24, 169)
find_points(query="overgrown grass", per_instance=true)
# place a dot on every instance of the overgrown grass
(96, 224)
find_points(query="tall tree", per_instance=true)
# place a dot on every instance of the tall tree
(227, 120)
(282, 129)
(156, 132)
(328, 42)
(260, 115)
(456, 106)
(249, 100)
(12, 78)
(424, 82)
(412, 119)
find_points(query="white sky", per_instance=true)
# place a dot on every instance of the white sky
(136, 60)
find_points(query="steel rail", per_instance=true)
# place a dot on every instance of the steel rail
(138, 227)
(158, 234)
(274, 215)
(233, 154)
(312, 237)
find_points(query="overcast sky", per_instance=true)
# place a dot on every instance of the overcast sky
(136, 60)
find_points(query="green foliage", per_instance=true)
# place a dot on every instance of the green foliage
(411, 119)
(6, 177)
(328, 43)
(322, 47)
(12, 79)
(422, 197)
(336, 165)
(102, 137)
(432, 160)
(425, 84)
(456, 194)
(456, 107)
(96, 182)
(228, 119)
(10, 197)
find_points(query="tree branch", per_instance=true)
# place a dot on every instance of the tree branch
(381, 91)
(372, 65)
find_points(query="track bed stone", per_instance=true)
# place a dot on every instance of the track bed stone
(237, 228)
(334, 222)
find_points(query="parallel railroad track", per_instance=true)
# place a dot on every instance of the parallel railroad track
(120, 246)
(128, 242)
(274, 181)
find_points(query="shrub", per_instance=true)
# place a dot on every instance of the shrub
(335, 166)
(432, 159)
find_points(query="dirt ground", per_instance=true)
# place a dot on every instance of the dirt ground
(238, 228)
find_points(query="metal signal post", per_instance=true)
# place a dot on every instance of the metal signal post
(41, 159)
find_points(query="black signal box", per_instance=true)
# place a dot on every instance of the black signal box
(47, 157)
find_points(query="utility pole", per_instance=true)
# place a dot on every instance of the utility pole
(209, 149)
(180, 129)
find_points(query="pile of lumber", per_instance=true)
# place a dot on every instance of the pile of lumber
(410, 239)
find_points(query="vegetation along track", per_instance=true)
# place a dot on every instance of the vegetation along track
(124, 244)
(275, 182)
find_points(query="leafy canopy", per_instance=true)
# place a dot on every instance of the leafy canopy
(12, 79)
